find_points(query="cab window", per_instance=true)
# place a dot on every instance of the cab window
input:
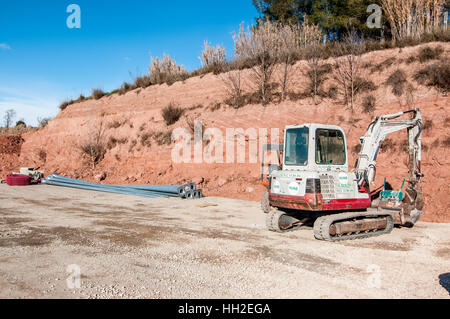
(330, 147)
(297, 146)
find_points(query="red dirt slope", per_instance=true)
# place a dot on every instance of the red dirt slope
(10, 147)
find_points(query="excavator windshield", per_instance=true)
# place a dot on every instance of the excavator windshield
(330, 147)
(297, 146)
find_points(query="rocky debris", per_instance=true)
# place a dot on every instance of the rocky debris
(100, 177)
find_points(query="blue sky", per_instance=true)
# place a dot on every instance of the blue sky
(43, 62)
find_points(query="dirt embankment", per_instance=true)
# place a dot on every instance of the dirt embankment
(134, 131)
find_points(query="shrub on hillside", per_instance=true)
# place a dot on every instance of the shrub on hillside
(98, 94)
(436, 75)
(146, 139)
(163, 138)
(369, 103)
(446, 142)
(428, 53)
(397, 81)
(21, 123)
(166, 70)
(94, 146)
(142, 82)
(116, 124)
(95, 151)
(65, 104)
(213, 59)
(113, 142)
(387, 63)
(126, 87)
(364, 85)
(428, 125)
(171, 114)
(42, 154)
(389, 145)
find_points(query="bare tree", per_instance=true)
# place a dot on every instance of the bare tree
(293, 38)
(260, 45)
(412, 18)
(9, 117)
(348, 66)
(94, 146)
(288, 36)
(233, 81)
(316, 69)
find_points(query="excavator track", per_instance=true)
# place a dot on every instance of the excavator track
(279, 222)
(360, 224)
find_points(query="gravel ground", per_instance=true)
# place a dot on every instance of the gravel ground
(131, 247)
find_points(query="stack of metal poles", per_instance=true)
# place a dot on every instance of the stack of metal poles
(188, 191)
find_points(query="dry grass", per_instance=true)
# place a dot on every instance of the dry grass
(166, 70)
(116, 124)
(113, 142)
(161, 138)
(171, 114)
(146, 139)
(213, 59)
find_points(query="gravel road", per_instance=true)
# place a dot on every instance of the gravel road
(131, 247)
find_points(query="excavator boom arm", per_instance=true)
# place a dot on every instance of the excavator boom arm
(377, 132)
